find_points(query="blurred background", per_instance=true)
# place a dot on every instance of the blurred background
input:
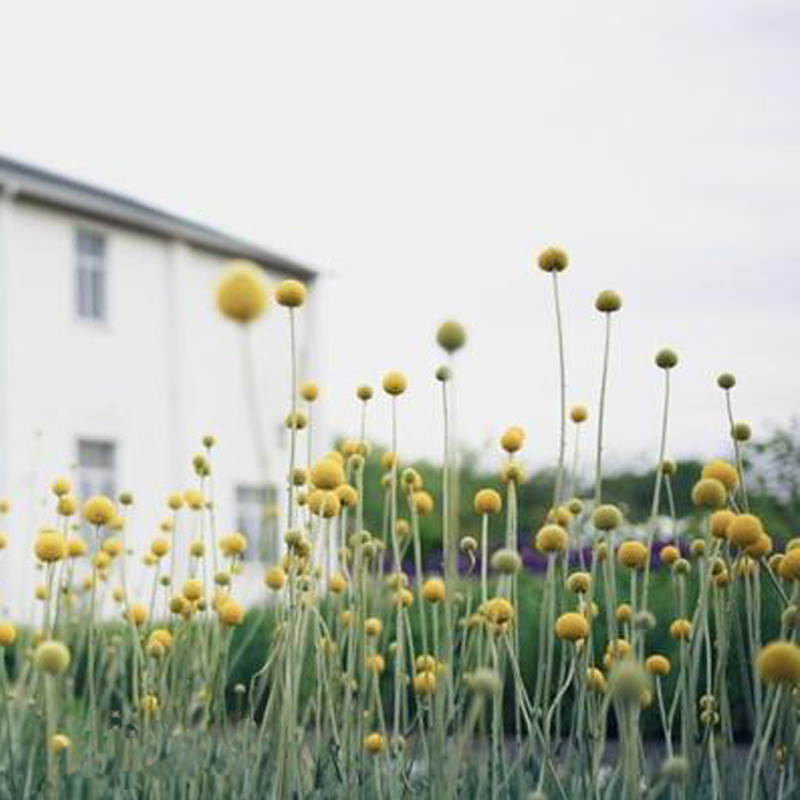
(409, 161)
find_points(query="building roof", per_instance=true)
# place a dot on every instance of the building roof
(48, 188)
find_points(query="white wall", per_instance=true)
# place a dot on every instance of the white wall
(164, 370)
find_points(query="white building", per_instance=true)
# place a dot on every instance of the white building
(114, 362)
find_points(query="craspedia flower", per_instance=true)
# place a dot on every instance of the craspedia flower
(553, 259)
(709, 493)
(789, 567)
(551, 539)
(137, 614)
(193, 590)
(487, 501)
(327, 474)
(608, 301)
(50, 546)
(779, 662)
(579, 582)
(99, 510)
(578, 414)
(632, 554)
(666, 358)
(52, 657)
(231, 613)
(290, 293)
(607, 517)
(242, 292)
(394, 383)
(513, 439)
(8, 634)
(658, 665)
(726, 380)
(59, 743)
(720, 521)
(374, 743)
(309, 391)
(744, 530)
(451, 336)
(681, 629)
(433, 590)
(572, 627)
(741, 431)
(506, 561)
(724, 472)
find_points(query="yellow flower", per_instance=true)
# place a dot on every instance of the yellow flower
(52, 657)
(242, 292)
(290, 293)
(50, 546)
(487, 501)
(779, 662)
(99, 510)
(572, 627)
(433, 590)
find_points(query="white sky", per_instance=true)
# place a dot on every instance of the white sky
(422, 152)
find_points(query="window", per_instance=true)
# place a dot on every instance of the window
(90, 275)
(96, 468)
(255, 522)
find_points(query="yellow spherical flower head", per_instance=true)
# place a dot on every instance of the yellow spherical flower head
(193, 590)
(669, 555)
(553, 259)
(231, 613)
(498, 612)
(60, 487)
(606, 518)
(681, 629)
(99, 510)
(59, 743)
(551, 539)
(451, 336)
(579, 582)
(290, 293)
(309, 391)
(608, 301)
(422, 502)
(779, 662)
(724, 472)
(8, 634)
(719, 522)
(394, 383)
(513, 439)
(242, 292)
(424, 683)
(744, 530)
(375, 663)
(572, 627)
(789, 566)
(433, 590)
(374, 743)
(327, 474)
(709, 493)
(487, 501)
(578, 414)
(658, 665)
(137, 614)
(52, 657)
(632, 554)
(50, 546)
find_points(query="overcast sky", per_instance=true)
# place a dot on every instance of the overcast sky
(420, 153)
